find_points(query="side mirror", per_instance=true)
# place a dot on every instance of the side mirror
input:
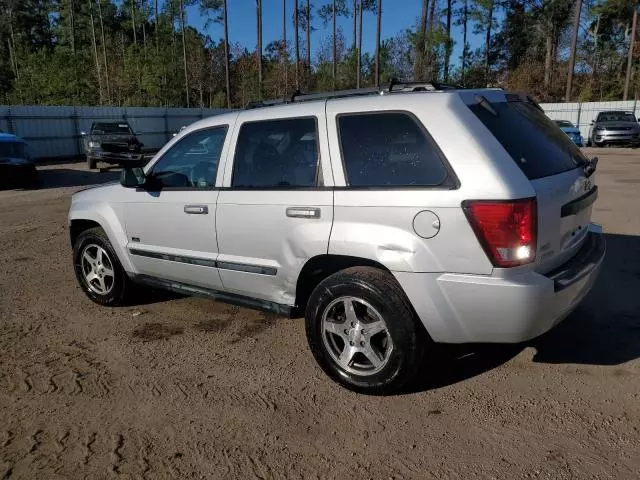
(592, 122)
(132, 177)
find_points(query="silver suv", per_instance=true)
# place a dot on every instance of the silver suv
(390, 219)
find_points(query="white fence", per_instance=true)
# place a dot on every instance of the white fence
(55, 131)
(582, 114)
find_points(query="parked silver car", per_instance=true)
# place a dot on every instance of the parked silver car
(391, 219)
(614, 128)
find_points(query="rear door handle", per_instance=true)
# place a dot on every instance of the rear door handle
(303, 212)
(196, 209)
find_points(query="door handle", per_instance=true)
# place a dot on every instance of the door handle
(303, 212)
(196, 209)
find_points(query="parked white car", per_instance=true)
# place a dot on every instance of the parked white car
(391, 219)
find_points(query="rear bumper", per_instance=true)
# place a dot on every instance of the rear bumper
(474, 308)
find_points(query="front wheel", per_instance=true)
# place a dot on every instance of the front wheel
(363, 332)
(98, 269)
(91, 163)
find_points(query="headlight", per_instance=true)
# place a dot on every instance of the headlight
(599, 129)
(94, 144)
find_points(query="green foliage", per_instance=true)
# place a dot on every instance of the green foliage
(108, 52)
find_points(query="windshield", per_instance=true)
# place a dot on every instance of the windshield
(12, 150)
(564, 124)
(533, 140)
(110, 128)
(615, 117)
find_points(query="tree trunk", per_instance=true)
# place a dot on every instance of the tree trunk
(377, 80)
(226, 56)
(448, 46)
(430, 54)
(547, 63)
(572, 51)
(308, 17)
(184, 52)
(355, 7)
(144, 33)
(95, 52)
(627, 78)
(73, 28)
(296, 42)
(104, 52)
(285, 59)
(418, 61)
(157, 20)
(133, 21)
(465, 22)
(487, 43)
(596, 60)
(11, 42)
(259, 46)
(335, 49)
(359, 72)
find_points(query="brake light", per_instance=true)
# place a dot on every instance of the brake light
(506, 229)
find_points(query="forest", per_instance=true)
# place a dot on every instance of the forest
(144, 52)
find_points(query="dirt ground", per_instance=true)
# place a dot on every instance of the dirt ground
(189, 388)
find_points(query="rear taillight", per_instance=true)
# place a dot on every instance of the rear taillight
(506, 229)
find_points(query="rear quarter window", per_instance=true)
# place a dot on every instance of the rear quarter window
(533, 140)
(388, 149)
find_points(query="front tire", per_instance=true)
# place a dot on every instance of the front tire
(98, 270)
(363, 331)
(91, 163)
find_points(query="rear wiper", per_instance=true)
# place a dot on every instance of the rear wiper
(486, 104)
(590, 166)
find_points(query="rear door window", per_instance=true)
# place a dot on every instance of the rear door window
(277, 154)
(533, 140)
(387, 149)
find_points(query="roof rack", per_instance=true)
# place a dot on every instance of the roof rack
(394, 86)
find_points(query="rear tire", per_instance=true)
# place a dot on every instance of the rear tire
(363, 331)
(98, 270)
(91, 163)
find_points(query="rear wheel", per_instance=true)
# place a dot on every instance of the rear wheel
(98, 269)
(363, 332)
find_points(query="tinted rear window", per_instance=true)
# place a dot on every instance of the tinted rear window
(388, 149)
(534, 141)
(110, 128)
(616, 117)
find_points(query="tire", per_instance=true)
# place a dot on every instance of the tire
(91, 163)
(375, 295)
(116, 286)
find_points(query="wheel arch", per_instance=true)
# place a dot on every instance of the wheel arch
(81, 219)
(317, 268)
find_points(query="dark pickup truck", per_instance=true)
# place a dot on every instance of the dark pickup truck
(114, 143)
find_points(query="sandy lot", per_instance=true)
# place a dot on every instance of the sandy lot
(188, 388)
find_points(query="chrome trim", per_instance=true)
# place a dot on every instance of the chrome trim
(205, 262)
(242, 267)
(196, 209)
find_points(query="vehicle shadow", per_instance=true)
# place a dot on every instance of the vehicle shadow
(604, 330)
(65, 177)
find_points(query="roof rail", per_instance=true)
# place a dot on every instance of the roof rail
(394, 86)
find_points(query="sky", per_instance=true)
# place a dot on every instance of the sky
(397, 15)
